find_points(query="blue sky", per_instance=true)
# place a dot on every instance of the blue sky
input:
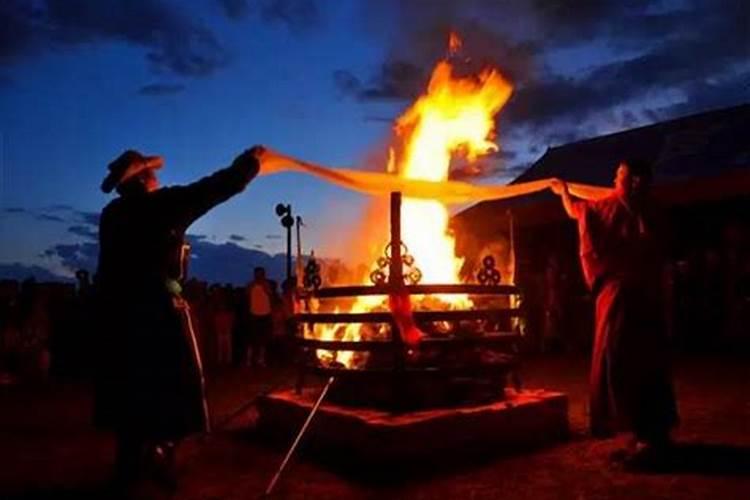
(198, 81)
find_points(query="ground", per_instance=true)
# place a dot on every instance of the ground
(49, 449)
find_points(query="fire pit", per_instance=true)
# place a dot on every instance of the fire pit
(455, 384)
(464, 356)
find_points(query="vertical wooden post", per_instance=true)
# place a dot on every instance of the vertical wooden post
(396, 270)
(395, 282)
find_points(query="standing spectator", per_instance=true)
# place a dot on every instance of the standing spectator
(222, 322)
(260, 297)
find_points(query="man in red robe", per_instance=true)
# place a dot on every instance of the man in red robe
(622, 260)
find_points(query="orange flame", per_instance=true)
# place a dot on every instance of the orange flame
(455, 117)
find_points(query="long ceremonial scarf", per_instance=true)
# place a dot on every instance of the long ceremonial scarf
(446, 191)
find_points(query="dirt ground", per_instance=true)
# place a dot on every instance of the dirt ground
(49, 450)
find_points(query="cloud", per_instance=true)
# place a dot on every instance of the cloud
(231, 263)
(19, 272)
(237, 237)
(49, 218)
(215, 263)
(14, 210)
(84, 231)
(75, 256)
(235, 9)
(299, 16)
(174, 42)
(161, 89)
(59, 207)
(619, 55)
(91, 218)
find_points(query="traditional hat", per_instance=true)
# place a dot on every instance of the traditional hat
(127, 165)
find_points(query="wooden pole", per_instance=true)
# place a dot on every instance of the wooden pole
(396, 270)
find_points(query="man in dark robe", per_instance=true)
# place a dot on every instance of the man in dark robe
(150, 386)
(622, 259)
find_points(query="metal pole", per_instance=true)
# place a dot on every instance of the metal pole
(289, 252)
(300, 265)
(285, 212)
(301, 433)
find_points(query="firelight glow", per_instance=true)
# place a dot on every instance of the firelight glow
(454, 118)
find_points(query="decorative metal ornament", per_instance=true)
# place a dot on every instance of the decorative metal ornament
(411, 273)
(488, 275)
(312, 279)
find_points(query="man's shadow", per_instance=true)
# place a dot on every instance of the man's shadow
(701, 458)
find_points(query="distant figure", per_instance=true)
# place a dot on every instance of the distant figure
(631, 386)
(150, 382)
(222, 324)
(260, 307)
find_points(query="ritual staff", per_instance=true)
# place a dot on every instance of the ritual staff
(622, 259)
(149, 384)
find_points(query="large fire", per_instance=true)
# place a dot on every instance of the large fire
(455, 118)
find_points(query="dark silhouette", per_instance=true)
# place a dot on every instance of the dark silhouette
(631, 387)
(149, 379)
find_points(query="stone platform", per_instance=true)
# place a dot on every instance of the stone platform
(365, 435)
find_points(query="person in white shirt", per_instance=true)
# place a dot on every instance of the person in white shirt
(260, 297)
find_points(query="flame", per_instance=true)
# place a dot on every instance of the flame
(454, 118)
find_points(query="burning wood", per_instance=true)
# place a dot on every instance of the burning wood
(455, 118)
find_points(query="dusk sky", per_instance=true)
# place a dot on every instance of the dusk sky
(198, 81)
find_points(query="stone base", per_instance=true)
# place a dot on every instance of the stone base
(524, 419)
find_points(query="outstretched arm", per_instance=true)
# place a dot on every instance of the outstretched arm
(188, 203)
(573, 207)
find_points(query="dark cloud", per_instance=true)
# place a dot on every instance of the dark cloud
(235, 9)
(174, 41)
(237, 237)
(160, 89)
(49, 218)
(84, 231)
(346, 82)
(91, 218)
(195, 238)
(19, 272)
(299, 16)
(212, 262)
(397, 79)
(75, 256)
(14, 210)
(231, 263)
(638, 50)
(59, 207)
(17, 34)
(490, 166)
